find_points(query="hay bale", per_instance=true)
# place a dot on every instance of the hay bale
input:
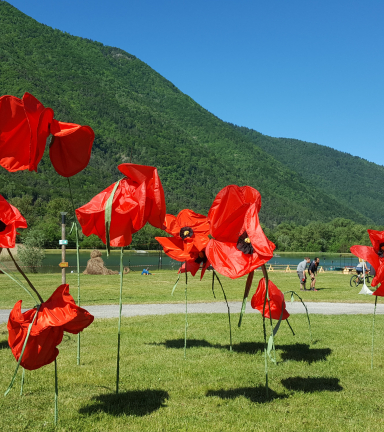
(96, 266)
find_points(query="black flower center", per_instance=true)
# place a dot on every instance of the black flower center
(381, 250)
(2, 226)
(202, 258)
(244, 244)
(186, 232)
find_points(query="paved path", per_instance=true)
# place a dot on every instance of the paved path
(112, 311)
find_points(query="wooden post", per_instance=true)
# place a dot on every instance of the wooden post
(63, 217)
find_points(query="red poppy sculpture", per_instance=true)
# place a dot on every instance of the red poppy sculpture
(239, 245)
(121, 210)
(55, 316)
(275, 308)
(375, 256)
(189, 232)
(10, 220)
(138, 198)
(25, 125)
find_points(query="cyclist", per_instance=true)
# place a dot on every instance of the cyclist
(359, 270)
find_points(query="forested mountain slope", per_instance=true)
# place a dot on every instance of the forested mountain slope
(136, 112)
(353, 181)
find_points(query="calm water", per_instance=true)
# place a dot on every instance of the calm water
(154, 260)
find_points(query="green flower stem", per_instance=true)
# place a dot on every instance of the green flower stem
(19, 283)
(373, 332)
(229, 311)
(25, 277)
(246, 294)
(266, 299)
(78, 263)
(119, 325)
(22, 351)
(22, 382)
(56, 395)
(186, 312)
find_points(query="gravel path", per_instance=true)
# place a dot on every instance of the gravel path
(112, 311)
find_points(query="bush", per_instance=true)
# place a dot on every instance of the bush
(31, 252)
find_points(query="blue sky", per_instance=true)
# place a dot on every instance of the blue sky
(306, 69)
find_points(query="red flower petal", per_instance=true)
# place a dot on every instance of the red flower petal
(71, 148)
(138, 199)
(14, 135)
(192, 267)
(260, 243)
(58, 314)
(377, 238)
(24, 129)
(226, 215)
(277, 302)
(12, 219)
(92, 217)
(154, 202)
(177, 249)
(198, 222)
(229, 261)
(366, 253)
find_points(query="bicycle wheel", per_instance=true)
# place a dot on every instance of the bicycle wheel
(368, 279)
(354, 282)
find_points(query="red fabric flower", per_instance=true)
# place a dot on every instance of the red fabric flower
(194, 265)
(55, 316)
(240, 245)
(189, 235)
(138, 199)
(25, 125)
(10, 220)
(276, 301)
(375, 256)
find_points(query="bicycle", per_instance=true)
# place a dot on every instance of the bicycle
(356, 280)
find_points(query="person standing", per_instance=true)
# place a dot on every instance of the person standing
(301, 272)
(312, 270)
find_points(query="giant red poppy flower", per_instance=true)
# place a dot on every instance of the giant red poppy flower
(276, 307)
(25, 125)
(239, 245)
(375, 256)
(10, 220)
(55, 316)
(138, 199)
(189, 236)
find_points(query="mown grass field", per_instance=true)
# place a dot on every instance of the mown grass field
(324, 386)
(332, 286)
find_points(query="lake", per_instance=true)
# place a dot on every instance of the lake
(155, 260)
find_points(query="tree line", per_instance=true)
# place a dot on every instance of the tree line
(44, 222)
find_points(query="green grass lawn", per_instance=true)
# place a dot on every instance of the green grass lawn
(332, 286)
(326, 386)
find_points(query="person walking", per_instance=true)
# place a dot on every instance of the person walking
(312, 270)
(301, 272)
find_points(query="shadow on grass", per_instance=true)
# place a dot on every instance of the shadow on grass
(311, 385)
(295, 352)
(303, 352)
(138, 403)
(179, 343)
(4, 344)
(254, 394)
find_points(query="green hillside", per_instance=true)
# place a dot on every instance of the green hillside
(135, 111)
(352, 180)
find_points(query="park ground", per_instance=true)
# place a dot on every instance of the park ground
(326, 384)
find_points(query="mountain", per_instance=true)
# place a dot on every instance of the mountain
(353, 181)
(137, 114)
